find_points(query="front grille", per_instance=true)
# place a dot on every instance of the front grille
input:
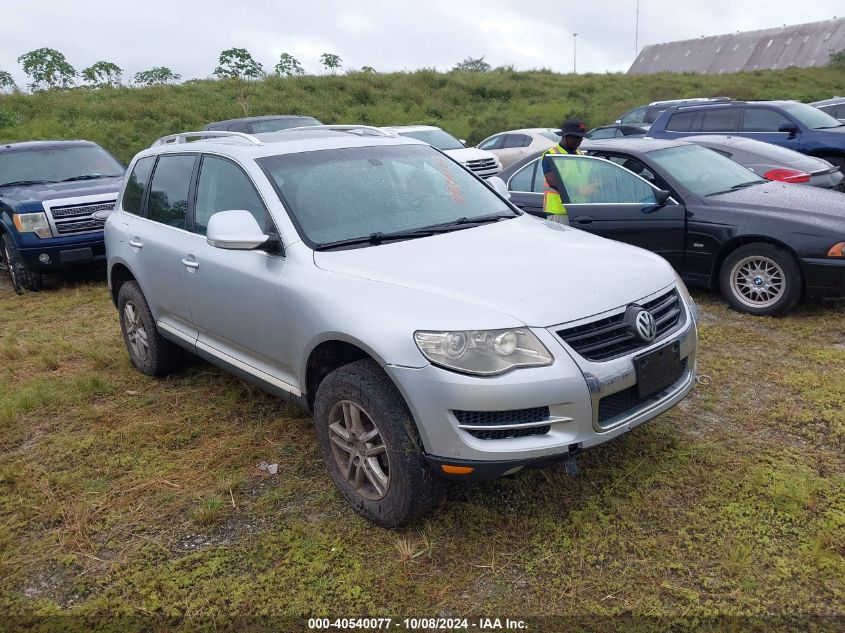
(482, 164)
(628, 400)
(76, 218)
(513, 420)
(610, 337)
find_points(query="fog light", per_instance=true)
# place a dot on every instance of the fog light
(44, 258)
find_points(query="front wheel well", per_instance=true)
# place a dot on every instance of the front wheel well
(119, 275)
(324, 359)
(742, 240)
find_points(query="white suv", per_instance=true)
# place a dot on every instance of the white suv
(433, 329)
(479, 161)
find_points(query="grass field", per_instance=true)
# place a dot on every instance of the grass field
(122, 495)
(470, 105)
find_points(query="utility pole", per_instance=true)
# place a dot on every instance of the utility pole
(637, 33)
(574, 53)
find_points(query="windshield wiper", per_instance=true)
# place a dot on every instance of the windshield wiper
(21, 183)
(89, 177)
(741, 185)
(465, 222)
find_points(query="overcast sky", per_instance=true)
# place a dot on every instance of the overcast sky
(188, 35)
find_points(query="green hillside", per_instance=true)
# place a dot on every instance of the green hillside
(470, 105)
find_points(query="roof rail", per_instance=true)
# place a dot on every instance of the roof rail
(363, 130)
(183, 137)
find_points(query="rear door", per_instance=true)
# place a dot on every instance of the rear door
(603, 198)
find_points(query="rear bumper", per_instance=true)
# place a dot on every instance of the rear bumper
(824, 278)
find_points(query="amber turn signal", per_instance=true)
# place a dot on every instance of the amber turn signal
(456, 470)
(837, 250)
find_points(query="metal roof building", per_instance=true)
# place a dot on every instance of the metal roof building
(799, 45)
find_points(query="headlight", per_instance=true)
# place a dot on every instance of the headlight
(682, 288)
(483, 352)
(32, 223)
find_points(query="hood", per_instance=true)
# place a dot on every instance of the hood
(537, 272)
(33, 195)
(822, 207)
(469, 153)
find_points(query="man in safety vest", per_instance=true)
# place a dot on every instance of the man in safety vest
(572, 132)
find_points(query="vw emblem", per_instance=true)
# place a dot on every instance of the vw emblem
(645, 326)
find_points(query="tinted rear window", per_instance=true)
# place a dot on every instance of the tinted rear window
(133, 195)
(168, 199)
(721, 120)
(681, 122)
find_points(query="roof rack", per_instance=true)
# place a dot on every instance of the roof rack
(363, 130)
(183, 137)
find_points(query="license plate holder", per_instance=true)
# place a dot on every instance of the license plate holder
(657, 369)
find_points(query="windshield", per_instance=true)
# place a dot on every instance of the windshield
(274, 125)
(810, 117)
(56, 164)
(436, 138)
(702, 170)
(343, 194)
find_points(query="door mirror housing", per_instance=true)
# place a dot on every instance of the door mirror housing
(235, 230)
(661, 198)
(790, 128)
(498, 185)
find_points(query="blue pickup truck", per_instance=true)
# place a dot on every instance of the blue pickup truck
(54, 196)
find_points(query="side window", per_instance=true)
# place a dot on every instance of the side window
(763, 120)
(515, 140)
(840, 111)
(634, 116)
(494, 142)
(133, 194)
(608, 132)
(681, 122)
(652, 114)
(526, 140)
(168, 199)
(721, 120)
(639, 168)
(523, 180)
(597, 181)
(223, 186)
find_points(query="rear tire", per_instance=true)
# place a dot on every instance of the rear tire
(371, 447)
(149, 352)
(22, 278)
(760, 279)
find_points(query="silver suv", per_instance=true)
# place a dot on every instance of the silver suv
(433, 329)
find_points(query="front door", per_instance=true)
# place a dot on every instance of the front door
(603, 198)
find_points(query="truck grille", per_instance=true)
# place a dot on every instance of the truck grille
(500, 425)
(76, 218)
(610, 337)
(482, 164)
(623, 402)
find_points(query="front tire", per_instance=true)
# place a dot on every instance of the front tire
(760, 279)
(370, 446)
(22, 278)
(149, 352)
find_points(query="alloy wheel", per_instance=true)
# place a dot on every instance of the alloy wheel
(136, 333)
(359, 450)
(757, 281)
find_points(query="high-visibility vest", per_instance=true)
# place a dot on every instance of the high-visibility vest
(551, 198)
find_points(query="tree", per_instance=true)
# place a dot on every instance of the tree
(473, 65)
(101, 74)
(330, 61)
(157, 76)
(837, 60)
(7, 82)
(368, 70)
(47, 68)
(237, 66)
(288, 66)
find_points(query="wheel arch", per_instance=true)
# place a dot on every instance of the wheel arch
(119, 274)
(742, 240)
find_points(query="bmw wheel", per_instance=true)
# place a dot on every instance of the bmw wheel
(761, 279)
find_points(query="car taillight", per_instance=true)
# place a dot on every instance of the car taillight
(787, 175)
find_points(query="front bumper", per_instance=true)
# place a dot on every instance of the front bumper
(824, 278)
(572, 388)
(65, 255)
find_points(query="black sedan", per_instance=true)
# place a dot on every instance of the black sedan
(764, 244)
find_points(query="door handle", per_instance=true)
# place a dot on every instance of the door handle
(190, 263)
(583, 219)
(136, 242)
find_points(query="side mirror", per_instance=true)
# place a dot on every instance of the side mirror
(498, 185)
(791, 128)
(661, 199)
(235, 230)
(463, 141)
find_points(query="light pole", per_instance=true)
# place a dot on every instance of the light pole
(574, 53)
(637, 33)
